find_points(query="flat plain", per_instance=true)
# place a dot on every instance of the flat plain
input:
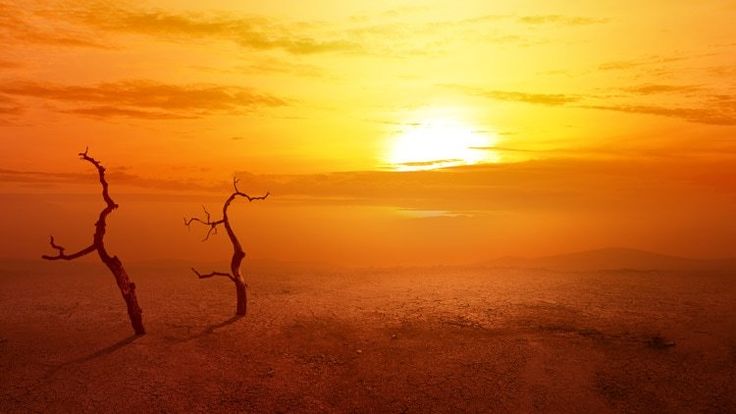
(403, 340)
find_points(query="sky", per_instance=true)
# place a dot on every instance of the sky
(388, 132)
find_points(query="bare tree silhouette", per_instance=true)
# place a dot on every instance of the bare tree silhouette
(238, 252)
(127, 288)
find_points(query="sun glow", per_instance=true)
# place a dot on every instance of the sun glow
(438, 143)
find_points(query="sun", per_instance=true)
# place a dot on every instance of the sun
(439, 143)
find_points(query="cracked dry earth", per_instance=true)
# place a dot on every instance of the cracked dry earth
(413, 340)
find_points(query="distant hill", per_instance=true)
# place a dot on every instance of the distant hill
(615, 259)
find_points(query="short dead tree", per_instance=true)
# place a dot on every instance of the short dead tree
(127, 288)
(238, 252)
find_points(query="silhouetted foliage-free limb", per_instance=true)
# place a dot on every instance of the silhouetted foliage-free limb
(127, 288)
(238, 252)
(210, 274)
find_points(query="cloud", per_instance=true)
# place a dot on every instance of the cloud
(80, 24)
(430, 163)
(32, 177)
(616, 152)
(273, 66)
(723, 70)
(552, 99)
(647, 61)
(563, 185)
(112, 112)
(251, 32)
(145, 99)
(560, 20)
(721, 111)
(653, 88)
(5, 64)
(9, 110)
(543, 184)
(19, 25)
(8, 106)
(533, 98)
(710, 115)
(115, 177)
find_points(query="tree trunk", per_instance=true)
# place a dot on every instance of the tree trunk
(242, 305)
(127, 289)
(241, 289)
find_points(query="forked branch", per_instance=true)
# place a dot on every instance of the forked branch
(212, 224)
(62, 256)
(239, 193)
(207, 221)
(97, 243)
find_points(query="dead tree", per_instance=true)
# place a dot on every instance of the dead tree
(238, 252)
(127, 288)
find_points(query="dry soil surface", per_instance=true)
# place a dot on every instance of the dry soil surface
(405, 340)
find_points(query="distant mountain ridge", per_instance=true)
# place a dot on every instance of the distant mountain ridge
(615, 259)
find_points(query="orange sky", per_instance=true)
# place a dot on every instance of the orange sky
(387, 131)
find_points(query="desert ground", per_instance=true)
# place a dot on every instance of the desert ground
(397, 340)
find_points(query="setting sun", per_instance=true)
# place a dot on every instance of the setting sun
(438, 143)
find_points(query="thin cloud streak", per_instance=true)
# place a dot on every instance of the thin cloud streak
(707, 116)
(145, 99)
(121, 178)
(656, 88)
(551, 99)
(721, 112)
(561, 184)
(103, 112)
(560, 20)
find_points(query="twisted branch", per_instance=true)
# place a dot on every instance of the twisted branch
(97, 243)
(101, 171)
(126, 286)
(238, 252)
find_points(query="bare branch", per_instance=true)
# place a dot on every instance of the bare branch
(61, 256)
(101, 171)
(207, 222)
(242, 194)
(211, 274)
(252, 198)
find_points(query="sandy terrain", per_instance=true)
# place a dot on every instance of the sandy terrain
(382, 340)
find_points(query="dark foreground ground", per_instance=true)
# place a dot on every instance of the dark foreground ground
(399, 340)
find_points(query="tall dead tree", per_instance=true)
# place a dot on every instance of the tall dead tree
(127, 288)
(238, 252)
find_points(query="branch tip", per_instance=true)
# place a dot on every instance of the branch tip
(211, 274)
